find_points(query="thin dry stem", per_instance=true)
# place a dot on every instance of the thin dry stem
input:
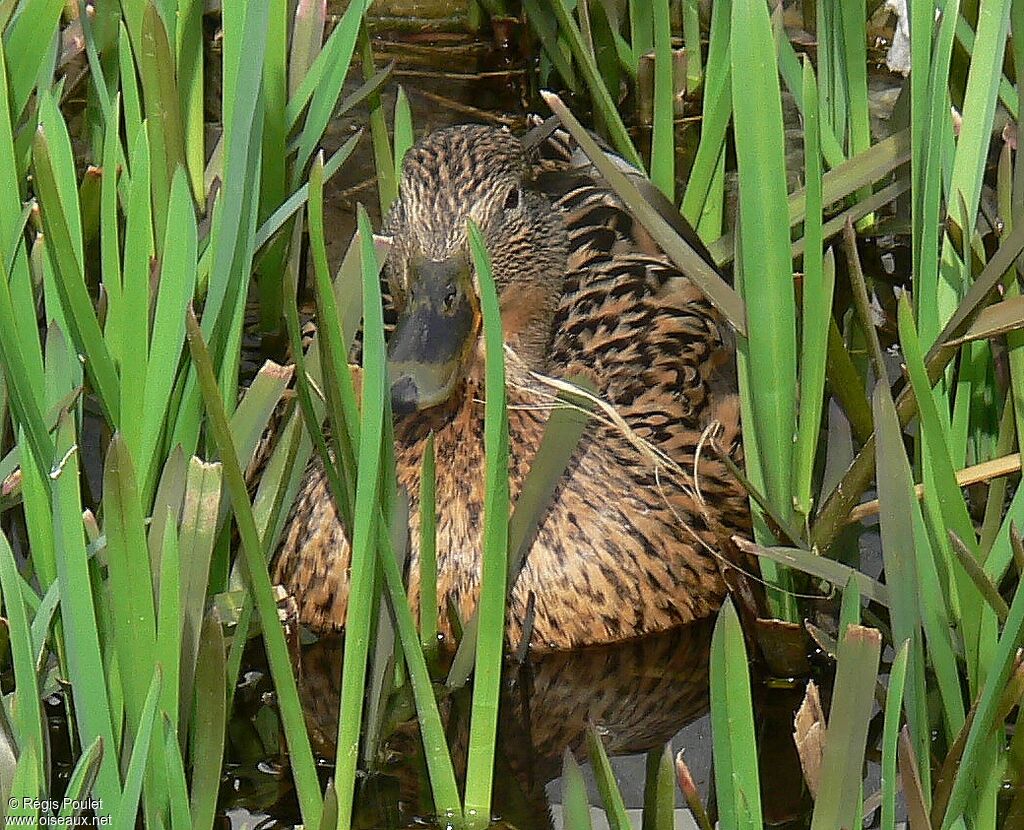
(985, 471)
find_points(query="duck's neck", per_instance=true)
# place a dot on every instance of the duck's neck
(527, 315)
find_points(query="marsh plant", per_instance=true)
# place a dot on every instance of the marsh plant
(134, 239)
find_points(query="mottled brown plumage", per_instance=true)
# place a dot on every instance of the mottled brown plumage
(626, 548)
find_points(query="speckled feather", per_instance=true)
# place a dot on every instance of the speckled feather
(624, 549)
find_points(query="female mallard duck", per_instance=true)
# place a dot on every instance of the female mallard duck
(624, 549)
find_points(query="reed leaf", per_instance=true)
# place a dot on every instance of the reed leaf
(21, 478)
(338, 55)
(865, 168)
(341, 401)
(28, 714)
(822, 568)
(663, 145)
(306, 42)
(659, 790)
(614, 806)
(890, 735)
(792, 76)
(26, 42)
(562, 433)
(274, 173)
(43, 618)
(25, 790)
(973, 141)
(857, 477)
(82, 778)
(168, 630)
(703, 200)
(180, 812)
(130, 95)
(849, 608)
(599, 93)
(438, 758)
(384, 674)
(839, 796)
(189, 63)
(19, 381)
(915, 581)
(196, 537)
(129, 574)
(428, 554)
(732, 725)
(768, 366)
(157, 65)
(494, 577)
(245, 32)
(818, 287)
(208, 723)
(128, 806)
(69, 279)
(365, 552)
(16, 269)
(977, 758)
(575, 809)
(545, 25)
(947, 499)
(128, 331)
(387, 181)
(303, 767)
(177, 284)
(404, 136)
(78, 614)
(290, 206)
(854, 36)
(110, 237)
(280, 479)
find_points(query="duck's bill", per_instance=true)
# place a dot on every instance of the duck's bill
(433, 337)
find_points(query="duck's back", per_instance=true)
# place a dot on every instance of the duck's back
(624, 305)
(632, 545)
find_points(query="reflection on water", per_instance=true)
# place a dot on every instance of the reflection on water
(637, 694)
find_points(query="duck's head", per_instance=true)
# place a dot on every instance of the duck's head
(451, 176)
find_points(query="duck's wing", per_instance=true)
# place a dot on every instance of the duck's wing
(647, 336)
(567, 175)
(652, 344)
(650, 534)
(627, 315)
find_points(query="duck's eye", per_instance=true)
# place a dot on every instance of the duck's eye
(512, 199)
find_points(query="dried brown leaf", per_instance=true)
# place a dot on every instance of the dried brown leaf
(809, 734)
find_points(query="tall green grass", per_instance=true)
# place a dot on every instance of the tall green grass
(127, 259)
(947, 609)
(125, 617)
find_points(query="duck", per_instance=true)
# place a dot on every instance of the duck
(628, 546)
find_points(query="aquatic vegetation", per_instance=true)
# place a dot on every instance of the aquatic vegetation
(151, 170)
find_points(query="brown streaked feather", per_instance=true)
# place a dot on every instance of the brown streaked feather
(626, 549)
